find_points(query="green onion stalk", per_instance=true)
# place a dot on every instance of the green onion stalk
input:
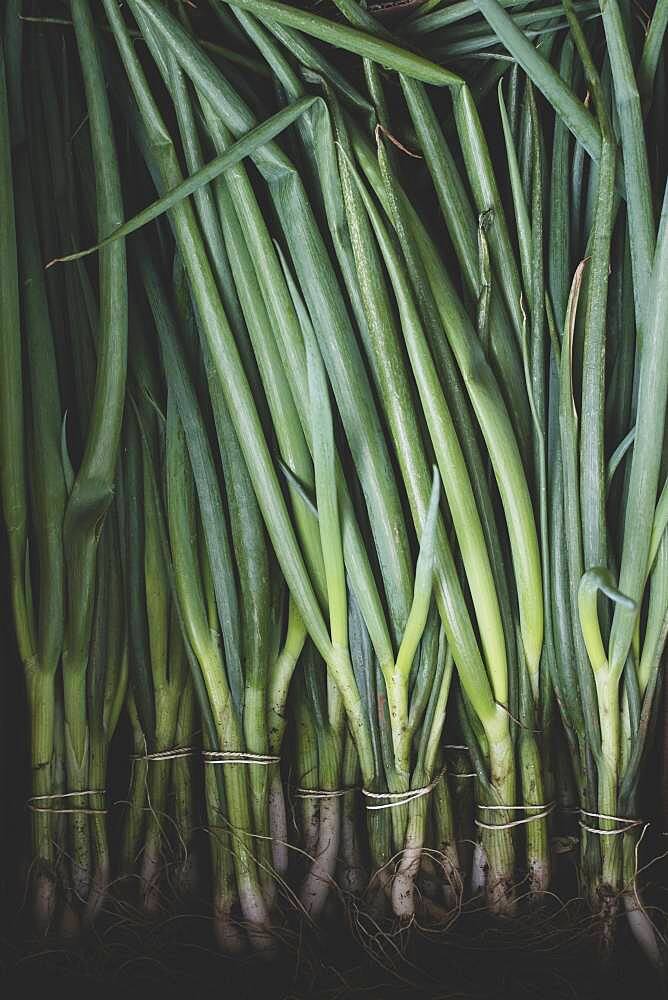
(322, 725)
(328, 843)
(260, 636)
(258, 643)
(92, 485)
(107, 672)
(286, 657)
(198, 616)
(228, 933)
(499, 741)
(571, 676)
(617, 769)
(590, 542)
(534, 694)
(107, 685)
(352, 870)
(396, 673)
(593, 501)
(133, 819)
(649, 253)
(307, 773)
(454, 825)
(168, 670)
(450, 457)
(325, 698)
(255, 601)
(186, 876)
(32, 479)
(160, 664)
(139, 701)
(201, 605)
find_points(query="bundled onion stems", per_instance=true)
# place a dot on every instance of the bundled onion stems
(370, 546)
(39, 639)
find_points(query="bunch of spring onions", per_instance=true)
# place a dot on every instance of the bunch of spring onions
(333, 453)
